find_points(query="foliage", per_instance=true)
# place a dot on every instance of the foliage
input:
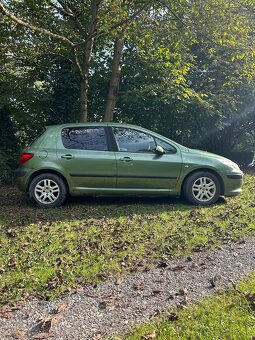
(46, 252)
(8, 147)
(187, 68)
(7, 164)
(203, 81)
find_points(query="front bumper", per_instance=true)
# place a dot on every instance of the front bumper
(233, 183)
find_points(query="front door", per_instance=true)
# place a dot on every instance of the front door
(84, 154)
(139, 168)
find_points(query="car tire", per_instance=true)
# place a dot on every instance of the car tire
(47, 191)
(202, 188)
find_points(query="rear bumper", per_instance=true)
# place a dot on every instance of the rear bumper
(20, 172)
(21, 176)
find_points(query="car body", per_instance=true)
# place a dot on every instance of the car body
(117, 159)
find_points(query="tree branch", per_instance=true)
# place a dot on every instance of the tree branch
(73, 17)
(58, 9)
(95, 32)
(122, 22)
(164, 3)
(77, 63)
(19, 21)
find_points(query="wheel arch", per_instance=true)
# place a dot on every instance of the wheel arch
(222, 188)
(48, 171)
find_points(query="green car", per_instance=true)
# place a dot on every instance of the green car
(120, 159)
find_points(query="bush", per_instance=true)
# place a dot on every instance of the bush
(242, 158)
(8, 162)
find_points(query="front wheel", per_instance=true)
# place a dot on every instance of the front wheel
(202, 188)
(47, 191)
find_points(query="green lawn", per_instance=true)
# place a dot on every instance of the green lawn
(47, 252)
(229, 315)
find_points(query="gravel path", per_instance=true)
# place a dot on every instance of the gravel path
(113, 307)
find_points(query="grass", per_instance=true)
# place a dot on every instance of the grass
(47, 252)
(228, 315)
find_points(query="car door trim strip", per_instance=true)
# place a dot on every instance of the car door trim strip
(122, 176)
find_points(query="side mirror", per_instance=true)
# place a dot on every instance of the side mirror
(159, 150)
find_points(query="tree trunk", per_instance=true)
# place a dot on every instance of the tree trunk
(115, 79)
(84, 87)
(84, 100)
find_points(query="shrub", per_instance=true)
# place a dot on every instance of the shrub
(242, 158)
(8, 162)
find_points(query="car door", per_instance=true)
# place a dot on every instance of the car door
(139, 168)
(85, 155)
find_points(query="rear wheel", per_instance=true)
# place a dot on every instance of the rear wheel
(47, 191)
(202, 188)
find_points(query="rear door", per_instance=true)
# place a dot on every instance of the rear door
(85, 155)
(139, 168)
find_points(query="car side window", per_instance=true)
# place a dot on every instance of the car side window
(167, 147)
(129, 140)
(84, 138)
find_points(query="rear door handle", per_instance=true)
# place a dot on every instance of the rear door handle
(67, 156)
(125, 159)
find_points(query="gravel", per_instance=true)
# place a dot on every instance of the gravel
(114, 307)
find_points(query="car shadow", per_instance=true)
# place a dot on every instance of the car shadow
(16, 208)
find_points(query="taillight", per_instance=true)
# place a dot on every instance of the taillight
(24, 157)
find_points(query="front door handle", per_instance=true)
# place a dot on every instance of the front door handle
(125, 159)
(67, 156)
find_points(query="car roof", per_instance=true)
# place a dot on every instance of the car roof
(71, 125)
(94, 124)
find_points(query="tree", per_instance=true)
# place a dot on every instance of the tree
(75, 26)
(174, 66)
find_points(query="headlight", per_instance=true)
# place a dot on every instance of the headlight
(230, 164)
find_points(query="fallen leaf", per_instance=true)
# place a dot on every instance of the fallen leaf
(45, 324)
(162, 264)
(11, 263)
(43, 335)
(119, 281)
(183, 291)
(170, 297)
(172, 316)
(56, 319)
(107, 302)
(178, 267)
(19, 334)
(199, 248)
(103, 304)
(138, 286)
(14, 307)
(213, 281)
(155, 313)
(150, 335)
(11, 233)
(6, 315)
(61, 308)
(98, 336)
(250, 299)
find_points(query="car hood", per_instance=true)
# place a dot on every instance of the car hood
(206, 154)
